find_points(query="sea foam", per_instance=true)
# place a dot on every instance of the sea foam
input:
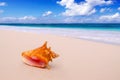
(106, 36)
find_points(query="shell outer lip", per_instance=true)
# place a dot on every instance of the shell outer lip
(29, 61)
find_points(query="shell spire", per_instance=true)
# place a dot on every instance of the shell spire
(44, 45)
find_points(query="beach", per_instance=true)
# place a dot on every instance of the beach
(78, 60)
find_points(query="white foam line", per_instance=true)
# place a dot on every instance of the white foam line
(97, 35)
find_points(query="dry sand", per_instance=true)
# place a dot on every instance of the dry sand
(79, 59)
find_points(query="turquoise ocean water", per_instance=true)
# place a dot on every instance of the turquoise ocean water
(107, 33)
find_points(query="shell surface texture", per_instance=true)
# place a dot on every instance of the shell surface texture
(39, 57)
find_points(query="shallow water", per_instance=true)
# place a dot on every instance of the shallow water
(109, 34)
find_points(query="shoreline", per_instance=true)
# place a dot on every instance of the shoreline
(66, 34)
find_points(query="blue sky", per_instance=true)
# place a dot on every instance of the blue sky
(59, 11)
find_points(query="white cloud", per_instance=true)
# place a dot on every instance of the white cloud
(110, 18)
(99, 2)
(2, 4)
(1, 11)
(8, 19)
(119, 8)
(69, 20)
(81, 19)
(83, 8)
(27, 18)
(47, 13)
(18, 19)
(102, 10)
(92, 11)
(105, 9)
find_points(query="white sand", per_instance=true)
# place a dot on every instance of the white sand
(79, 59)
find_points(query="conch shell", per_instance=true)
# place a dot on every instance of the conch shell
(39, 57)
